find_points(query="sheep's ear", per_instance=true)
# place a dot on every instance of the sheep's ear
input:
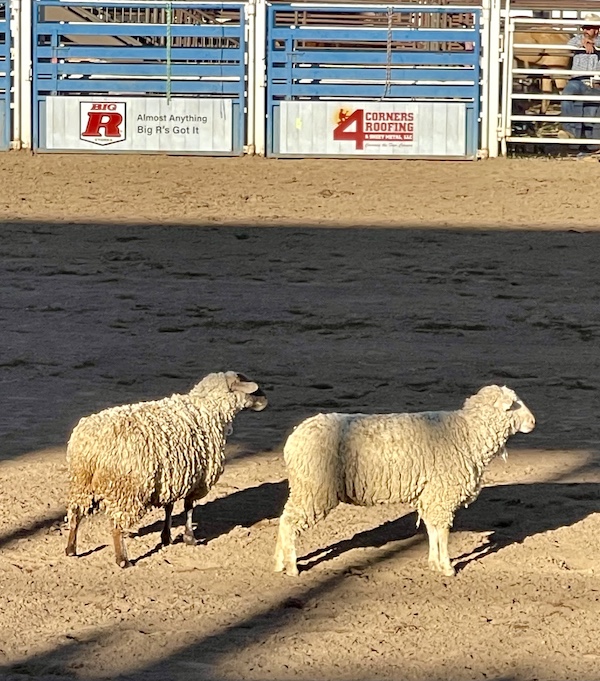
(500, 397)
(506, 399)
(241, 383)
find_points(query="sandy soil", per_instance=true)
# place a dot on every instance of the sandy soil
(128, 278)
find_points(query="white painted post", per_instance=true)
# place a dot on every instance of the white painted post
(250, 30)
(15, 53)
(26, 63)
(485, 81)
(260, 78)
(507, 80)
(494, 78)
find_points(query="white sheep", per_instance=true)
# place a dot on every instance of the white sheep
(130, 458)
(433, 461)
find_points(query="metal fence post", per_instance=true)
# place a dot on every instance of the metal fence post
(25, 73)
(260, 77)
(485, 81)
(494, 78)
(15, 53)
(250, 32)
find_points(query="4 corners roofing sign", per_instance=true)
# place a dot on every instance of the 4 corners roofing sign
(360, 126)
(337, 128)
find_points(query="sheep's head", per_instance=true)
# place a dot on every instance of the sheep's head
(253, 396)
(215, 386)
(505, 400)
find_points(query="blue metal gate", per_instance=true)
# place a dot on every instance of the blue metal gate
(113, 54)
(5, 42)
(415, 67)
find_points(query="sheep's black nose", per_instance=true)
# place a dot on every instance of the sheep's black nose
(260, 401)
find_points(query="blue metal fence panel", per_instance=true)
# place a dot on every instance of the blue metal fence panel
(81, 52)
(5, 42)
(364, 53)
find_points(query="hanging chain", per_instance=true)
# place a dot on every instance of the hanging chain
(388, 53)
(169, 41)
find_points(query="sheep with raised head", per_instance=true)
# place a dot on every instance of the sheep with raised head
(433, 461)
(130, 458)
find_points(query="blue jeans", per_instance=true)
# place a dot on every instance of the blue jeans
(581, 109)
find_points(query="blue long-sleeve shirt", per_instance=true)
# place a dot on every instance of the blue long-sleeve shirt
(582, 61)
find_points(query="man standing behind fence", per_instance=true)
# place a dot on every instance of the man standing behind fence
(588, 59)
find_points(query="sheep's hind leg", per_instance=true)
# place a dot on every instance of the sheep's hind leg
(165, 535)
(285, 551)
(279, 562)
(120, 548)
(74, 517)
(188, 534)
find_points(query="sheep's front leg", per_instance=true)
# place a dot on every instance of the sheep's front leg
(439, 560)
(446, 568)
(285, 551)
(434, 556)
(188, 534)
(74, 516)
(165, 535)
(120, 548)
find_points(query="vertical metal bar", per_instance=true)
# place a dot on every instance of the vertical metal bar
(262, 48)
(494, 77)
(477, 90)
(485, 79)
(249, 30)
(29, 106)
(12, 52)
(508, 83)
(168, 40)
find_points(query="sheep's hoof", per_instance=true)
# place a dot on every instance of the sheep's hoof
(291, 571)
(189, 539)
(71, 551)
(165, 540)
(124, 564)
(446, 570)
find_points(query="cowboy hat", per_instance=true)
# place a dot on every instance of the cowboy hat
(591, 18)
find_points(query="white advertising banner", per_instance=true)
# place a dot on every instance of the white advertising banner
(139, 124)
(373, 128)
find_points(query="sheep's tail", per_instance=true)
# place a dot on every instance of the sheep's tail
(312, 456)
(81, 469)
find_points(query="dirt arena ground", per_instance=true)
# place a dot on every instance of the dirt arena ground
(339, 286)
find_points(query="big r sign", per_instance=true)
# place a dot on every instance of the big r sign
(138, 124)
(103, 123)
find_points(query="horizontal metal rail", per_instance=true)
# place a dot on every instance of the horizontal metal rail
(553, 140)
(557, 98)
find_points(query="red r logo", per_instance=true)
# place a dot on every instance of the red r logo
(102, 120)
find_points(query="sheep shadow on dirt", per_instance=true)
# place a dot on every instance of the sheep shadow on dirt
(510, 513)
(218, 517)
